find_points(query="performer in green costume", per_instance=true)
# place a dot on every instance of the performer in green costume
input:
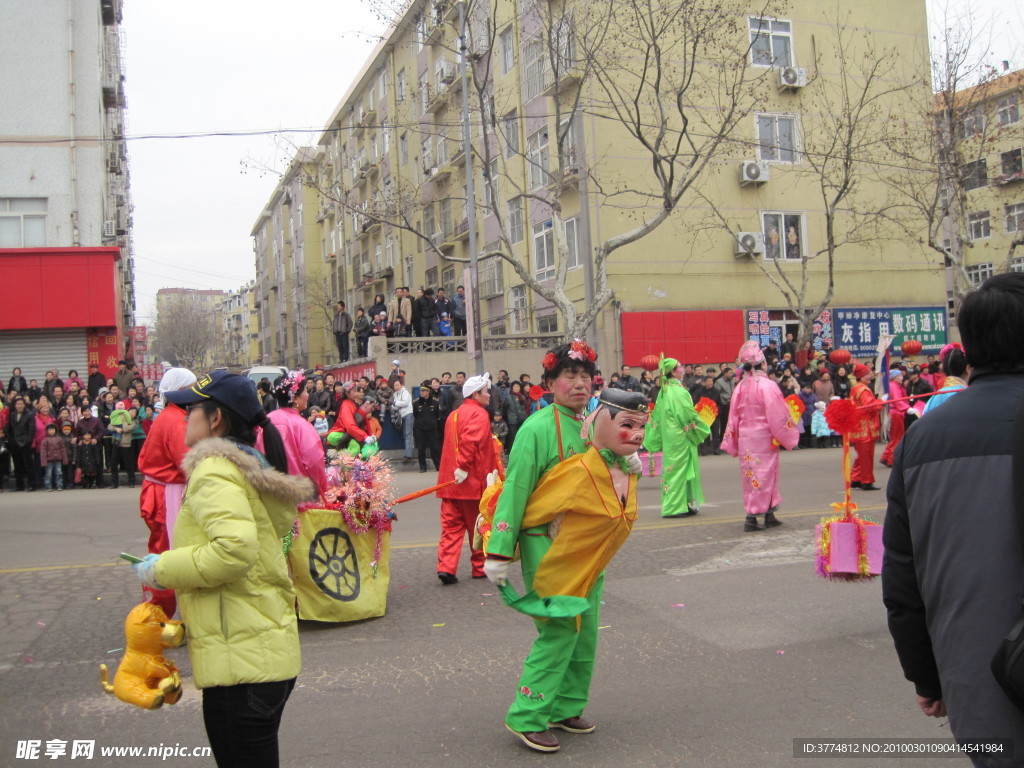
(676, 430)
(556, 674)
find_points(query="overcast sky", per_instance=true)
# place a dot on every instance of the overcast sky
(199, 67)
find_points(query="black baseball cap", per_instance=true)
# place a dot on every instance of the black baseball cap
(235, 392)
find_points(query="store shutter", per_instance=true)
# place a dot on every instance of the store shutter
(38, 351)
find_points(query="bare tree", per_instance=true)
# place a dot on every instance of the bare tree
(185, 332)
(944, 145)
(667, 80)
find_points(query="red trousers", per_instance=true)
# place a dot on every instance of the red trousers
(153, 510)
(896, 430)
(863, 470)
(458, 516)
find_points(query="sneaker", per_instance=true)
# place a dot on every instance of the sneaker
(576, 724)
(541, 741)
(750, 523)
(447, 578)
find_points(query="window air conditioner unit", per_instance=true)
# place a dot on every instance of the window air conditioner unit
(448, 76)
(110, 228)
(749, 244)
(753, 172)
(437, 238)
(792, 78)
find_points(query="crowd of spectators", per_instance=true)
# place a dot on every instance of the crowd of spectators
(65, 432)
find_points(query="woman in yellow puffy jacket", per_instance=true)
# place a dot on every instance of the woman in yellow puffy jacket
(229, 571)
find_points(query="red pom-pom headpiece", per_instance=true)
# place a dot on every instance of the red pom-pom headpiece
(550, 361)
(842, 417)
(537, 391)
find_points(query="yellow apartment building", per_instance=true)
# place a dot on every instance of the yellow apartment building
(722, 174)
(989, 140)
(293, 296)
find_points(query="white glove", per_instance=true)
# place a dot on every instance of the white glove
(636, 467)
(370, 440)
(496, 572)
(146, 571)
(492, 477)
(460, 475)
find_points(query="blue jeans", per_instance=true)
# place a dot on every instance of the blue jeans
(53, 468)
(242, 722)
(408, 434)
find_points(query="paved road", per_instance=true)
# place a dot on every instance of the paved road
(718, 648)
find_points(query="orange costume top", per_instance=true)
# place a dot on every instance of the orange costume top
(870, 418)
(594, 523)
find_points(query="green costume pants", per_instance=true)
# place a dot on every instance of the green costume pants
(680, 479)
(556, 675)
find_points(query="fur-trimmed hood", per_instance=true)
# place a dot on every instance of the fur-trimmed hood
(264, 479)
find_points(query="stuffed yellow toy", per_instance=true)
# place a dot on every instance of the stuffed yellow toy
(145, 678)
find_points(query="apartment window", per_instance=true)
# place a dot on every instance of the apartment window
(1017, 265)
(537, 156)
(448, 280)
(442, 148)
(428, 220)
(979, 273)
(506, 43)
(378, 252)
(385, 140)
(382, 85)
(400, 86)
(389, 252)
(547, 324)
(533, 67)
(444, 73)
(510, 132)
(979, 225)
(446, 217)
(22, 222)
(543, 251)
(972, 123)
(1010, 162)
(374, 153)
(403, 149)
(490, 111)
(776, 138)
(568, 145)
(430, 276)
(515, 220)
(564, 44)
(517, 309)
(771, 42)
(424, 92)
(369, 99)
(421, 32)
(1006, 110)
(572, 242)
(491, 283)
(1014, 217)
(427, 149)
(783, 235)
(491, 196)
(975, 174)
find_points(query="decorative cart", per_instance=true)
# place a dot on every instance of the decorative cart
(339, 550)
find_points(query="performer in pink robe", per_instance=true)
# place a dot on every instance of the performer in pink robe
(302, 444)
(759, 423)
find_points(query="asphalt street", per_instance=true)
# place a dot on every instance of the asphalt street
(717, 647)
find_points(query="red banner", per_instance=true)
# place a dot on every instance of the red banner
(104, 349)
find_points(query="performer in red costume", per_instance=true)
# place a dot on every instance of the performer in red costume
(863, 438)
(467, 456)
(163, 482)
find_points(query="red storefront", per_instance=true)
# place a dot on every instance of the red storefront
(59, 308)
(697, 336)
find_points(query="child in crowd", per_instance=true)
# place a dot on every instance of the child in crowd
(319, 421)
(87, 459)
(809, 399)
(52, 457)
(499, 428)
(67, 434)
(819, 427)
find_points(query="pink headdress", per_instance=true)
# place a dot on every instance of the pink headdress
(751, 353)
(949, 348)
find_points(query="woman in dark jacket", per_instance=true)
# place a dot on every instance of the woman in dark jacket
(514, 412)
(841, 383)
(21, 430)
(378, 306)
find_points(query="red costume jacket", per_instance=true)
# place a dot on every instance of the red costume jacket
(468, 445)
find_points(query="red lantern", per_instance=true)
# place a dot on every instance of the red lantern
(910, 347)
(840, 356)
(649, 362)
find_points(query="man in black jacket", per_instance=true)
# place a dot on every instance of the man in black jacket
(342, 328)
(953, 571)
(96, 381)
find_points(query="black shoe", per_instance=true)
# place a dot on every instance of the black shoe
(770, 521)
(855, 484)
(447, 578)
(869, 487)
(750, 523)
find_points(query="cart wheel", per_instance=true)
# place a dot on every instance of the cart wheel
(335, 572)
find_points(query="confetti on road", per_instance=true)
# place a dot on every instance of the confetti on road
(115, 650)
(780, 653)
(606, 626)
(678, 605)
(439, 625)
(40, 623)
(487, 594)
